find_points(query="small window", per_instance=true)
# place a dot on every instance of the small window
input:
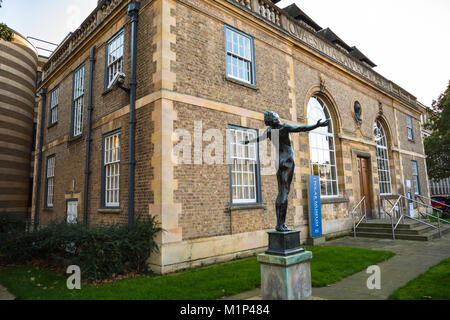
(50, 182)
(244, 168)
(78, 101)
(114, 57)
(415, 174)
(239, 56)
(111, 170)
(409, 127)
(54, 102)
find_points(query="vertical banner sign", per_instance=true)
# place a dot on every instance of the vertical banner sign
(315, 212)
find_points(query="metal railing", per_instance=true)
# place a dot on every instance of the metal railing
(431, 200)
(423, 214)
(363, 216)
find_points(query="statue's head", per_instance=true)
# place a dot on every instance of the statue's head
(271, 118)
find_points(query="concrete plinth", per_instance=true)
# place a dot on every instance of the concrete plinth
(315, 241)
(286, 278)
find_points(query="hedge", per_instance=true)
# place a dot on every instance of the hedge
(100, 251)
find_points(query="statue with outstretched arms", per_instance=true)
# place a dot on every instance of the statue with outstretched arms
(286, 165)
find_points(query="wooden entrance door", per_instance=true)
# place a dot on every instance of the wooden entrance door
(364, 183)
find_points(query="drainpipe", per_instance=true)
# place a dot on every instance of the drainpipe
(133, 12)
(88, 136)
(43, 93)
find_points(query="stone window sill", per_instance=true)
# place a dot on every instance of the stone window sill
(49, 209)
(109, 211)
(333, 200)
(73, 139)
(389, 196)
(250, 86)
(52, 125)
(247, 207)
(106, 91)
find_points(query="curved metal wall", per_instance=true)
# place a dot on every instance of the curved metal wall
(18, 66)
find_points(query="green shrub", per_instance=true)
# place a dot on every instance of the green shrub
(101, 251)
(12, 224)
(6, 33)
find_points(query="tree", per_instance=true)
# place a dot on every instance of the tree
(437, 145)
(5, 32)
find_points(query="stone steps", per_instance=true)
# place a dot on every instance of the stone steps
(415, 231)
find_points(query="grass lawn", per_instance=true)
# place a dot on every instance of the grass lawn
(434, 284)
(329, 265)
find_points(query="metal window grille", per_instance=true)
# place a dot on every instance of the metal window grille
(243, 166)
(112, 170)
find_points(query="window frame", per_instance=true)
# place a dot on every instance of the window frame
(386, 148)
(332, 135)
(252, 49)
(46, 205)
(51, 108)
(72, 120)
(416, 182)
(257, 173)
(103, 204)
(409, 121)
(114, 37)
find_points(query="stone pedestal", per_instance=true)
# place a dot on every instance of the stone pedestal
(315, 241)
(284, 243)
(286, 277)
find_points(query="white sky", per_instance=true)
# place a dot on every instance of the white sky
(407, 39)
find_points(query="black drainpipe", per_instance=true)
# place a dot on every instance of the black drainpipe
(88, 137)
(43, 93)
(133, 12)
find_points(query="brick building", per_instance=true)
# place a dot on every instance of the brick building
(204, 70)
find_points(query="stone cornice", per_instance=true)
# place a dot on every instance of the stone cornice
(74, 40)
(266, 11)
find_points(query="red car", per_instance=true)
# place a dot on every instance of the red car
(440, 202)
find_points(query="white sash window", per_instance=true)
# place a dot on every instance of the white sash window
(112, 170)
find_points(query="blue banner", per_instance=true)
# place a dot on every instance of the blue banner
(315, 211)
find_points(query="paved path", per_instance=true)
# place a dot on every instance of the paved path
(5, 295)
(412, 259)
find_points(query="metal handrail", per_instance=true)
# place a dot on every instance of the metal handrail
(418, 195)
(391, 214)
(429, 206)
(418, 220)
(355, 225)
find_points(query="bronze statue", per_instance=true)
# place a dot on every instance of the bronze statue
(286, 165)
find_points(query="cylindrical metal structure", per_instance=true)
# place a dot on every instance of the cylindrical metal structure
(18, 66)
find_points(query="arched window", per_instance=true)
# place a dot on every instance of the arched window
(322, 150)
(384, 176)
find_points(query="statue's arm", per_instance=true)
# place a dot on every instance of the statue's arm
(262, 137)
(307, 127)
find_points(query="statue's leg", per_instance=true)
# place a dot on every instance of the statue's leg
(286, 180)
(278, 203)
